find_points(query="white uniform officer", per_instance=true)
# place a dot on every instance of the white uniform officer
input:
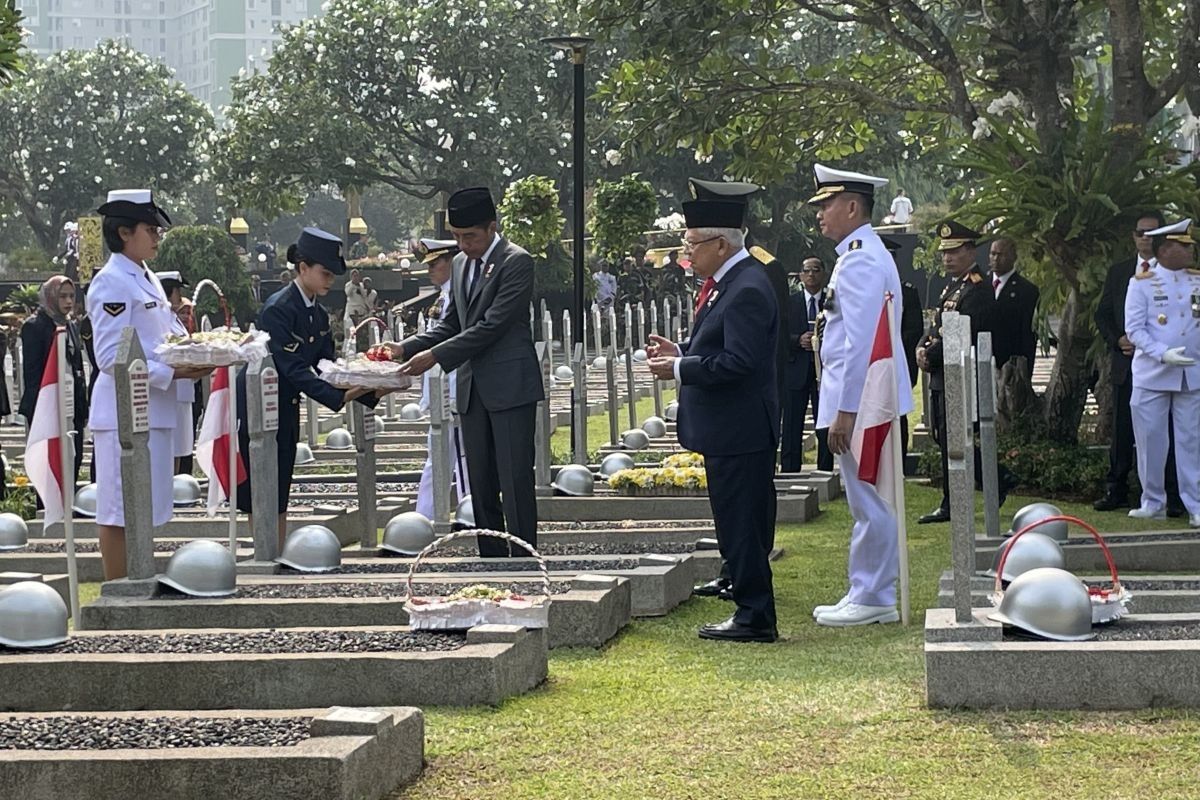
(185, 428)
(1162, 319)
(439, 255)
(863, 276)
(123, 294)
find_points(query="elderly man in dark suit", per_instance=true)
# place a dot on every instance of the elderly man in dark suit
(728, 406)
(485, 336)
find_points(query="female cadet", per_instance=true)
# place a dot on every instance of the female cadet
(300, 338)
(123, 294)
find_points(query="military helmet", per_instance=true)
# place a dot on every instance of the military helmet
(32, 615)
(311, 548)
(563, 374)
(201, 568)
(410, 412)
(185, 490)
(614, 463)
(304, 453)
(407, 533)
(639, 355)
(464, 515)
(85, 501)
(635, 439)
(339, 439)
(1028, 551)
(655, 427)
(671, 412)
(1047, 602)
(575, 480)
(600, 362)
(1028, 515)
(14, 533)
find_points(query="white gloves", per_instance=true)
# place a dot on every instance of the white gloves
(1176, 358)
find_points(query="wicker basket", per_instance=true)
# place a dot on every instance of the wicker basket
(440, 614)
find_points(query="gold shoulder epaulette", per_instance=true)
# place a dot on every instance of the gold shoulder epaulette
(855, 245)
(761, 255)
(1141, 276)
(975, 277)
(1193, 272)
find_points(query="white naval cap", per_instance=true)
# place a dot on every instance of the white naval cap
(832, 181)
(1178, 232)
(433, 249)
(130, 196)
(172, 275)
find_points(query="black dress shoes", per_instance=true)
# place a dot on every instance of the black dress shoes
(939, 514)
(712, 589)
(1111, 502)
(730, 631)
(1176, 509)
(726, 594)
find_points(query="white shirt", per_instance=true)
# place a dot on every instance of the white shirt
(902, 209)
(816, 298)
(356, 299)
(717, 276)
(309, 302)
(998, 288)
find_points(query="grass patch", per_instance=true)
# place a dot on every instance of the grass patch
(597, 432)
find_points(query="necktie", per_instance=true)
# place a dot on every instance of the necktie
(1145, 267)
(474, 278)
(812, 309)
(705, 289)
(996, 284)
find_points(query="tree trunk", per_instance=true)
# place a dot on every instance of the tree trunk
(1104, 401)
(1066, 393)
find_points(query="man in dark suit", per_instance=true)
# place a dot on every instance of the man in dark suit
(801, 370)
(1016, 303)
(1110, 320)
(728, 407)
(485, 337)
(912, 328)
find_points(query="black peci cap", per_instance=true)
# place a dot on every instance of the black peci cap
(467, 208)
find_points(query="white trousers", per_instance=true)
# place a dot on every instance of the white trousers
(458, 471)
(1149, 409)
(110, 500)
(874, 563)
(185, 431)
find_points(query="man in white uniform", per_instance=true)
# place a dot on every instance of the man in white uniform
(185, 429)
(902, 209)
(439, 255)
(1162, 320)
(125, 293)
(863, 276)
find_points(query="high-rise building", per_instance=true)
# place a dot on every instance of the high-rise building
(206, 42)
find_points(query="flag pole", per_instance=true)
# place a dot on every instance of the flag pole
(897, 449)
(231, 491)
(66, 411)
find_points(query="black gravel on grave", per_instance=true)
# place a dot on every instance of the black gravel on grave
(484, 565)
(583, 549)
(630, 524)
(1135, 585)
(309, 591)
(256, 643)
(1135, 537)
(344, 487)
(153, 733)
(1131, 631)
(330, 502)
(93, 547)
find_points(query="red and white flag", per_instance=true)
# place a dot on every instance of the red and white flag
(212, 446)
(43, 450)
(871, 443)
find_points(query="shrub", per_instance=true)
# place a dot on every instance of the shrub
(205, 251)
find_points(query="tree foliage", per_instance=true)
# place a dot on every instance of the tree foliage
(623, 211)
(86, 121)
(206, 251)
(10, 42)
(530, 214)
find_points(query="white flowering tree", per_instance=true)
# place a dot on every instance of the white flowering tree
(85, 121)
(423, 96)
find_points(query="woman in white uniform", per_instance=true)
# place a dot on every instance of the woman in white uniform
(125, 293)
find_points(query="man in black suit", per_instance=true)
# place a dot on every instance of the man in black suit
(1016, 303)
(801, 370)
(912, 328)
(1110, 320)
(485, 337)
(728, 407)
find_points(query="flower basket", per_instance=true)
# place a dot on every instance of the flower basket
(450, 613)
(216, 348)
(362, 371)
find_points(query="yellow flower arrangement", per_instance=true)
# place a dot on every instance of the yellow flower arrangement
(667, 478)
(21, 480)
(685, 459)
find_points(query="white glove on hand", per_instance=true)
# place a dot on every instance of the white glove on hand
(1176, 358)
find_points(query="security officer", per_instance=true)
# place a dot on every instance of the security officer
(1162, 319)
(967, 293)
(123, 294)
(439, 255)
(300, 338)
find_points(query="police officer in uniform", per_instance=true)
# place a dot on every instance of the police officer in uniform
(1162, 319)
(125, 293)
(300, 337)
(439, 255)
(967, 293)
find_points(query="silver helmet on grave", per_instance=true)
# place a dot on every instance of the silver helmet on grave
(614, 463)
(304, 453)
(563, 374)
(575, 480)
(1032, 513)
(32, 615)
(639, 356)
(185, 490)
(600, 362)
(201, 568)
(411, 412)
(1047, 602)
(464, 515)
(85, 501)
(671, 412)
(311, 548)
(407, 533)
(1028, 551)
(655, 427)
(339, 439)
(14, 533)
(635, 439)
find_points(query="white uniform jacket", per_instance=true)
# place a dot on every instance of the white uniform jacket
(1162, 311)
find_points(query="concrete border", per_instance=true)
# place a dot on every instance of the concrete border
(798, 506)
(354, 753)
(1084, 555)
(611, 537)
(1145, 601)
(498, 661)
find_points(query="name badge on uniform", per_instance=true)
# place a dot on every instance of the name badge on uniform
(152, 304)
(1160, 298)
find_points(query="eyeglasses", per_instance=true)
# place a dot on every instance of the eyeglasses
(690, 246)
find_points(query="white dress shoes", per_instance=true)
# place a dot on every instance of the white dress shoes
(855, 614)
(1194, 520)
(1143, 512)
(838, 606)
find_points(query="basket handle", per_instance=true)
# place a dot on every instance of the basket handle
(450, 537)
(1007, 547)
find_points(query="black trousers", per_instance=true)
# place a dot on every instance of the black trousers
(741, 490)
(1122, 455)
(938, 417)
(796, 402)
(187, 463)
(286, 437)
(500, 455)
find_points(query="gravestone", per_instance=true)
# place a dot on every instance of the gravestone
(364, 458)
(630, 392)
(310, 421)
(610, 372)
(262, 382)
(579, 411)
(956, 344)
(987, 434)
(440, 426)
(132, 379)
(598, 330)
(542, 427)
(568, 341)
(548, 338)
(656, 385)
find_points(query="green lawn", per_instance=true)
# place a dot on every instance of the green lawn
(560, 440)
(822, 714)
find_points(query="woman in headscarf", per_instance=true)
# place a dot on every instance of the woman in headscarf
(57, 302)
